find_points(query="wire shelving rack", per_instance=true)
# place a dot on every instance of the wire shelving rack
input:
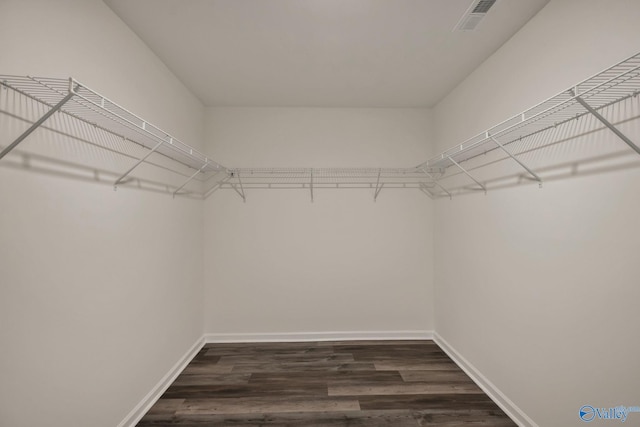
(312, 179)
(589, 97)
(611, 86)
(82, 103)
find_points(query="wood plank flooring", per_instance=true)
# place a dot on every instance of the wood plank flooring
(324, 384)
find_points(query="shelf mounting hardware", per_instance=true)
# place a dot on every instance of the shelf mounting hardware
(39, 122)
(468, 174)
(189, 180)
(241, 191)
(533, 174)
(606, 122)
(124, 175)
(378, 186)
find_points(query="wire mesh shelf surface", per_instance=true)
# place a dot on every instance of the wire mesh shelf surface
(97, 110)
(613, 85)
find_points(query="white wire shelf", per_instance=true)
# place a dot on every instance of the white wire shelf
(97, 110)
(329, 177)
(613, 85)
(375, 179)
(608, 87)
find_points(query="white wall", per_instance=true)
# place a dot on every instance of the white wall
(538, 289)
(281, 264)
(80, 263)
(99, 290)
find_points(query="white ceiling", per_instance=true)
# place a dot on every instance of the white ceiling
(329, 53)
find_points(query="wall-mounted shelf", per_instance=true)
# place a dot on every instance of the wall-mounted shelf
(78, 101)
(374, 179)
(613, 85)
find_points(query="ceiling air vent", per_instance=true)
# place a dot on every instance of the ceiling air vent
(474, 15)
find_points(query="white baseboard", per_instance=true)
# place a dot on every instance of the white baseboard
(152, 397)
(515, 413)
(317, 336)
(510, 408)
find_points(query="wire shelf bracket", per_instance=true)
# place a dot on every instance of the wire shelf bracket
(188, 180)
(436, 183)
(240, 192)
(138, 163)
(468, 174)
(39, 122)
(606, 122)
(532, 173)
(426, 190)
(217, 185)
(378, 186)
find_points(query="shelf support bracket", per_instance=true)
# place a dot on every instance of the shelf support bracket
(423, 187)
(217, 186)
(435, 181)
(138, 163)
(607, 123)
(241, 191)
(311, 185)
(37, 124)
(468, 174)
(533, 174)
(378, 186)
(189, 180)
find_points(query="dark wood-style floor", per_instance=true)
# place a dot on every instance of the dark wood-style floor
(328, 384)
